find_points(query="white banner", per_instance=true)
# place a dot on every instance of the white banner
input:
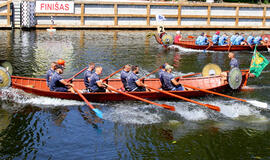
(54, 7)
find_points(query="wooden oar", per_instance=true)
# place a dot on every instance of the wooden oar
(105, 79)
(255, 103)
(230, 45)
(216, 108)
(76, 74)
(191, 37)
(97, 111)
(154, 71)
(172, 108)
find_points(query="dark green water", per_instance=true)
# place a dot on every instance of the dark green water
(33, 127)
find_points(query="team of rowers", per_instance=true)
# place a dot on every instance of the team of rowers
(129, 78)
(236, 39)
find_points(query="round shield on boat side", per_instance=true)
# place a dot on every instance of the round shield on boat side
(5, 79)
(7, 66)
(211, 69)
(167, 39)
(235, 78)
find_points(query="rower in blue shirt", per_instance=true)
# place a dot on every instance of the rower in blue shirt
(58, 84)
(258, 40)
(250, 39)
(170, 83)
(202, 40)
(240, 40)
(233, 38)
(133, 81)
(215, 38)
(124, 74)
(87, 74)
(223, 40)
(95, 84)
(49, 74)
(161, 72)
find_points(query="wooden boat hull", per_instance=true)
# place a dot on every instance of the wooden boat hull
(38, 87)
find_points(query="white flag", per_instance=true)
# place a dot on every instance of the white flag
(160, 18)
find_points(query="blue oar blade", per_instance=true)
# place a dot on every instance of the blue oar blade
(98, 112)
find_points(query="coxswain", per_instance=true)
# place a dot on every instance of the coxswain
(202, 40)
(233, 38)
(124, 74)
(58, 84)
(161, 72)
(133, 82)
(223, 40)
(215, 38)
(240, 40)
(61, 62)
(87, 74)
(258, 40)
(95, 84)
(250, 39)
(233, 63)
(177, 37)
(169, 82)
(50, 73)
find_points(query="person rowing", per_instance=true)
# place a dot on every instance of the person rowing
(250, 39)
(50, 73)
(87, 75)
(202, 40)
(161, 72)
(233, 38)
(124, 74)
(223, 40)
(169, 82)
(95, 84)
(133, 81)
(258, 40)
(240, 40)
(215, 38)
(58, 84)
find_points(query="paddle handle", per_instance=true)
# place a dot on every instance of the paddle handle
(139, 98)
(76, 74)
(186, 99)
(216, 93)
(84, 99)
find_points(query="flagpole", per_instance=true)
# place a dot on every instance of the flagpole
(245, 83)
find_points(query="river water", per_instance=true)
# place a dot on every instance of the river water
(34, 127)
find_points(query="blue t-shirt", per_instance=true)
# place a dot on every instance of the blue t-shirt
(222, 40)
(160, 74)
(93, 82)
(124, 74)
(239, 39)
(234, 63)
(55, 82)
(167, 81)
(201, 40)
(215, 39)
(49, 74)
(198, 40)
(86, 78)
(233, 38)
(131, 81)
(257, 40)
(250, 40)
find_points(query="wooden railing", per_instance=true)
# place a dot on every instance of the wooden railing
(179, 19)
(6, 14)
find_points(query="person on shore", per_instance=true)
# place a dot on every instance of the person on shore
(124, 74)
(58, 84)
(50, 73)
(250, 39)
(169, 82)
(233, 63)
(215, 38)
(223, 40)
(202, 40)
(133, 82)
(87, 74)
(240, 40)
(258, 40)
(233, 38)
(178, 37)
(95, 84)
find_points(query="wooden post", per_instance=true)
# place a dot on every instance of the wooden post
(115, 14)
(208, 15)
(237, 16)
(264, 16)
(8, 13)
(82, 14)
(148, 15)
(179, 15)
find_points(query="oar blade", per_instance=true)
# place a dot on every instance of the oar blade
(98, 112)
(172, 108)
(216, 108)
(258, 103)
